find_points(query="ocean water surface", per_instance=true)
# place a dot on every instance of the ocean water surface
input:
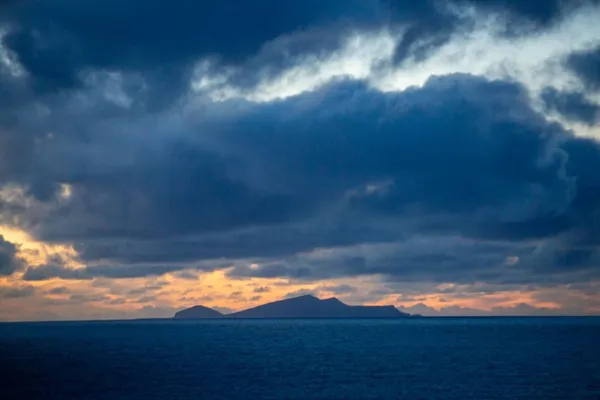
(427, 358)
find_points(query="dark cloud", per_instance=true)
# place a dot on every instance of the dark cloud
(437, 260)
(262, 289)
(88, 298)
(302, 160)
(429, 24)
(341, 166)
(573, 106)
(265, 241)
(459, 180)
(146, 299)
(16, 292)
(188, 275)
(409, 298)
(130, 271)
(9, 262)
(58, 290)
(539, 12)
(422, 146)
(140, 290)
(134, 199)
(586, 65)
(274, 270)
(343, 290)
(589, 289)
(57, 40)
(50, 271)
(583, 300)
(338, 289)
(60, 271)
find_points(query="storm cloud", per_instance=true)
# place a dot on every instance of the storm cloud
(59, 43)
(179, 144)
(423, 144)
(9, 262)
(7, 293)
(431, 160)
(572, 105)
(50, 271)
(586, 66)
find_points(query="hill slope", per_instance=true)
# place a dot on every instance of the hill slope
(197, 312)
(299, 307)
(312, 307)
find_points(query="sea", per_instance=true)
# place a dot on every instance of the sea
(412, 358)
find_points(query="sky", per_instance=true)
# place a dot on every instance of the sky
(440, 156)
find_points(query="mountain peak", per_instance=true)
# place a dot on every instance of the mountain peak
(197, 312)
(332, 300)
(304, 296)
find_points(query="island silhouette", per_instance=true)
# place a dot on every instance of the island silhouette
(306, 306)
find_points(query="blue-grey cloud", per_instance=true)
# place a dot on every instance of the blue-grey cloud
(586, 66)
(57, 41)
(16, 292)
(341, 166)
(573, 106)
(9, 262)
(56, 269)
(88, 298)
(430, 23)
(539, 12)
(162, 181)
(59, 290)
(304, 160)
(339, 289)
(441, 260)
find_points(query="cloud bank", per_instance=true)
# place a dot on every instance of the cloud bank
(438, 143)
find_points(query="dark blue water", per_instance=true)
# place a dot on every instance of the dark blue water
(504, 358)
